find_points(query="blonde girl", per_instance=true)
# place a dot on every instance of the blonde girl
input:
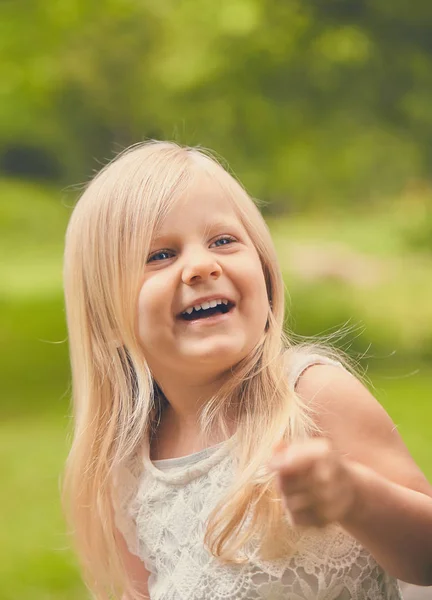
(213, 458)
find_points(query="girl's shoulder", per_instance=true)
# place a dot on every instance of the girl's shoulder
(299, 360)
(349, 415)
(330, 390)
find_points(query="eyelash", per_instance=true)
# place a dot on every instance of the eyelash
(152, 257)
(225, 237)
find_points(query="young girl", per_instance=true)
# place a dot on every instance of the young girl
(213, 458)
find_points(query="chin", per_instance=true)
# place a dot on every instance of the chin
(226, 354)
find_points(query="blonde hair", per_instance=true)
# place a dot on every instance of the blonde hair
(116, 402)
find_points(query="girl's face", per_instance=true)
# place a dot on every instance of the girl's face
(201, 256)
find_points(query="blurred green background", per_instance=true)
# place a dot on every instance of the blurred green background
(321, 107)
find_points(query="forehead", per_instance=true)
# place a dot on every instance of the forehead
(205, 205)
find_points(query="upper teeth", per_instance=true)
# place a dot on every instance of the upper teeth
(206, 305)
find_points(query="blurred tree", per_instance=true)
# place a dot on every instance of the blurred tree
(308, 100)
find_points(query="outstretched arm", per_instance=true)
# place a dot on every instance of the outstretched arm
(359, 474)
(395, 523)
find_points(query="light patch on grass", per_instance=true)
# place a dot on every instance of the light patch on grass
(35, 559)
(406, 396)
(33, 220)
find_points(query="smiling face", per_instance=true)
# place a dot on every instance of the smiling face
(201, 254)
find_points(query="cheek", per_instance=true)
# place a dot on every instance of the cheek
(143, 315)
(152, 305)
(255, 291)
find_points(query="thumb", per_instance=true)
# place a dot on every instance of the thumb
(279, 446)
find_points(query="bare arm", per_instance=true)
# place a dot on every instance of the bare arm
(393, 508)
(135, 569)
(395, 524)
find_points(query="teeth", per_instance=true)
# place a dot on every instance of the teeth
(206, 305)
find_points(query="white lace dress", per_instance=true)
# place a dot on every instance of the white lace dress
(162, 513)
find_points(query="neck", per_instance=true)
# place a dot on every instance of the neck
(186, 398)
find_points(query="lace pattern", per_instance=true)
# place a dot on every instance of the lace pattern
(162, 514)
(170, 520)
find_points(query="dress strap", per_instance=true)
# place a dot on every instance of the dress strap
(303, 362)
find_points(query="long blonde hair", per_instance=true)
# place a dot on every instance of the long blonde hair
(115, 400)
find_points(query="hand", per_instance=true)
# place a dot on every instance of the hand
(317, 484)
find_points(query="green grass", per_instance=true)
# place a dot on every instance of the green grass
(406, 395)
(380, 233)
(391, 290)
(33, 222)
(35, 560)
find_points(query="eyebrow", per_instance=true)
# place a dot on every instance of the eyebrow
(218, 224)
(221, 224)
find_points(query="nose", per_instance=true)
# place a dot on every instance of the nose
(200, 266)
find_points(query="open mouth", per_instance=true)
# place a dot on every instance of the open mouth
(205, 313)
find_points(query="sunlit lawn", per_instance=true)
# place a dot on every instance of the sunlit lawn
(35, 563)
(35, 560)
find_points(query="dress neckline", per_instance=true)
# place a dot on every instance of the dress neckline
(185, 468)
(180, 461)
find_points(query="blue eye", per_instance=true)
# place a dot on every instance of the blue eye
(161, 255)
(225, 240)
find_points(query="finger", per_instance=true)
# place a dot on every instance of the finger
(290, 484)
(279, 446)
(297, 502)
(322, 475)
(295, 459)
(299, 457)
(307, 518)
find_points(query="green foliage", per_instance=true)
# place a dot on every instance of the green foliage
(420, 236)
(416, 227)
(314, 104)
(311, 102)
